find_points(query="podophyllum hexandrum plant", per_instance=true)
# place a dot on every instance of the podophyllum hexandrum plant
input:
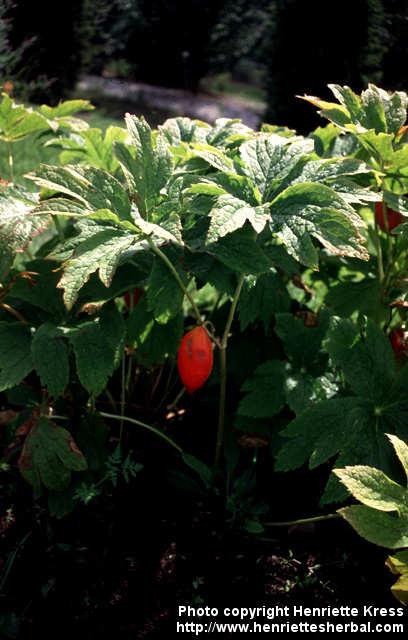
(266, 236)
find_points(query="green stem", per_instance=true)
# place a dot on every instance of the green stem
(290, 523)
(110, 398)
(176, 275)
(379, 255)
(11, 559)
(223, 374)
(148, 427)
(221, 407)
(122, 397)
(10, 160)
(177, 399)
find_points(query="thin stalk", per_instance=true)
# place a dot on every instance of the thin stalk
(10, 160)
(122, 396)
(380, 261)
(13, 312)
(11, 559)
(111, 399)
(223, 374)
(290, 523)
(176, 275)
(177, 399)
(221, 407)
(148, 427)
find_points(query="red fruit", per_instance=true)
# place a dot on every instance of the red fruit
(195, 358)
(399, 342)
(393, 218)
(137, 294)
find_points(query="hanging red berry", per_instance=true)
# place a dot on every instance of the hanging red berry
(195, 358)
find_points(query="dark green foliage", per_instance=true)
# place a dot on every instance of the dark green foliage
(169, 44)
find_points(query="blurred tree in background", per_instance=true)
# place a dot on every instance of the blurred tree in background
(169, 44)
(51, 65)
(313, 44)
(287, 47)
(396, 57)
(104, 30)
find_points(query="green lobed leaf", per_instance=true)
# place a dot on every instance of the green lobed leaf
(147, 162)
(164, 295)
(91, 187)
(104, 339)
(49, 455)
(265, 394)
(261, 298)
(230, 214)
(154, 341)
(15, 353)
(310, 210)
(401, 449)
(303, 344)
(374, 489)
(383, 529)
(269, 160)
(240, 252)
(51, 358)
(101, 252)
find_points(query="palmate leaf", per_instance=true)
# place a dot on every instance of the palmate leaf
(91, 188)
(91, 146)
(211, 155)
(383, 518)
(311, 210)
(265, 391)
(269, 159)
(375, 109)
(17, 225)
(154, 341)
(230, 214)
(101, 252)
(164, 295)
(261, 298)
(146, 162)
(352, 427)
(104, 338)
(62, 116)
(240, 252)
(303, 344)
(178, 130)
(51, 358)
(49, 456)
(17, 121)
(398, 564)
(15, 354)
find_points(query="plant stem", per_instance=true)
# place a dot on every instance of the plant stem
(122, 396)
(11, 559)
(221, 407)
(176, 275)
(379, 255)
(223, 374)
(10, 160)
(148, 427)
(290, 523)
(177, 399)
